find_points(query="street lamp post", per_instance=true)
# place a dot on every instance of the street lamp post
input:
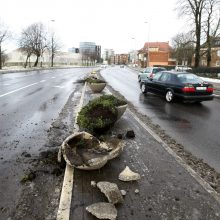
(148, 38)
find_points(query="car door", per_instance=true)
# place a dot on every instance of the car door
(164, 83)
(154, 83)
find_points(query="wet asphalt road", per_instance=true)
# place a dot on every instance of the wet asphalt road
(29, 103)
(195, 126)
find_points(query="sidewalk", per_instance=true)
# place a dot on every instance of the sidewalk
(167, 190)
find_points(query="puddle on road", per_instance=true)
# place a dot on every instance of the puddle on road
(43, 107)
(181, 122)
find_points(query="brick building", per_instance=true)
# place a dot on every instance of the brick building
(156, 54)
(215, 54)
(119, 59)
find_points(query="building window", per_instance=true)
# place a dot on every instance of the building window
(218, 53)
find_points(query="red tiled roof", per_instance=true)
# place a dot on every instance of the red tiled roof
(162, 46)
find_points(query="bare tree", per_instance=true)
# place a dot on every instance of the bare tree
(4, 35)
(183, 48)
(54, 46)
(34, 41)
(211, 25)
(194, 9)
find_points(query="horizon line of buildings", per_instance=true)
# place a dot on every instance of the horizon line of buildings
(88, 53)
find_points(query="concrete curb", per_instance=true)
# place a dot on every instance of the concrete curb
(47, 68)
(67, 188)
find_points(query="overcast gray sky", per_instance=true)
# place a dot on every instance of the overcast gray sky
(109, 23)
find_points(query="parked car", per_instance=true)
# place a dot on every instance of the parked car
(149, 72)
(122, 66)
(182, 68)
(178, 85)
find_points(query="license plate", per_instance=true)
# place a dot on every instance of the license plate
(201, 88)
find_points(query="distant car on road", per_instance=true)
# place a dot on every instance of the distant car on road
(149, 72)
(104, 66)
(122, 66)
(182, 68)
(178, 85)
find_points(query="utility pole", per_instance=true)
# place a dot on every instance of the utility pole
(148, 38)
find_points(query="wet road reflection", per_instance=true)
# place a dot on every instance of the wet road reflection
(195, 126)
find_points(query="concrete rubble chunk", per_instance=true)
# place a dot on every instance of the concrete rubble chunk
(111, 191)
(128, 175)
(123, 192)
(93, 183)
(103, 210)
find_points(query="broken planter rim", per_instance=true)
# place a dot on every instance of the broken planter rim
(89, 158)
(97, 87)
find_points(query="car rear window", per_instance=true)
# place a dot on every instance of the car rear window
(158, 70)
(189, 78)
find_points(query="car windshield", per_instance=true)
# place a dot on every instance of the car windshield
(189, 78)
(158, 70)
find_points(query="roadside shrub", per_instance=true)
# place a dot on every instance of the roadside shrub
(114, 100)
(211, 72)
(94, 80)
(97, 116)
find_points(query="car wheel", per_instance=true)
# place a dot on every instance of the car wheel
(169, 96)
(143, 88)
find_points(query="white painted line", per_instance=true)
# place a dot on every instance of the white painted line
(66, 193)
(43, 81)
(8, 93)
(60, 87)
(53, 77)
(7, 84)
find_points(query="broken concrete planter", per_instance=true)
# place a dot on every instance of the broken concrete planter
(121, 109)
(97, 87)
(82, 156)
(84, 151)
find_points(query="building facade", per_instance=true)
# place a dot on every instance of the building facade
(215, 54)
(156, 54)
(90, 52)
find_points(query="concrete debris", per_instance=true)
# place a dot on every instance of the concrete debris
(93, 183)
(130, 134)
(123, 192)
(111, 191)
(103, 210)
(128, 175)
(136, 191)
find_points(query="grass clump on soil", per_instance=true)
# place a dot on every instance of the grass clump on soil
(114, 100)
(94, 80)
(97, 116)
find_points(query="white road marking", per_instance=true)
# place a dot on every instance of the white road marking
(60, 87)
(16, 90)
(7, 84)
(66, 193)
(53, 77)
(42, 80)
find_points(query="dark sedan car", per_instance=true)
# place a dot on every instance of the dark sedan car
(178, 85)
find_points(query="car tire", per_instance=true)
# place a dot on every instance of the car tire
(143, 88)
(169, 96)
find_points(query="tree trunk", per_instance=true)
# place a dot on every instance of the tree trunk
(25, 65)
(36, 62)
(0, 56)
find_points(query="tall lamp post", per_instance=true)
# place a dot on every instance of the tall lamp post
(52, 46)
(133, 50)
(148, 38)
